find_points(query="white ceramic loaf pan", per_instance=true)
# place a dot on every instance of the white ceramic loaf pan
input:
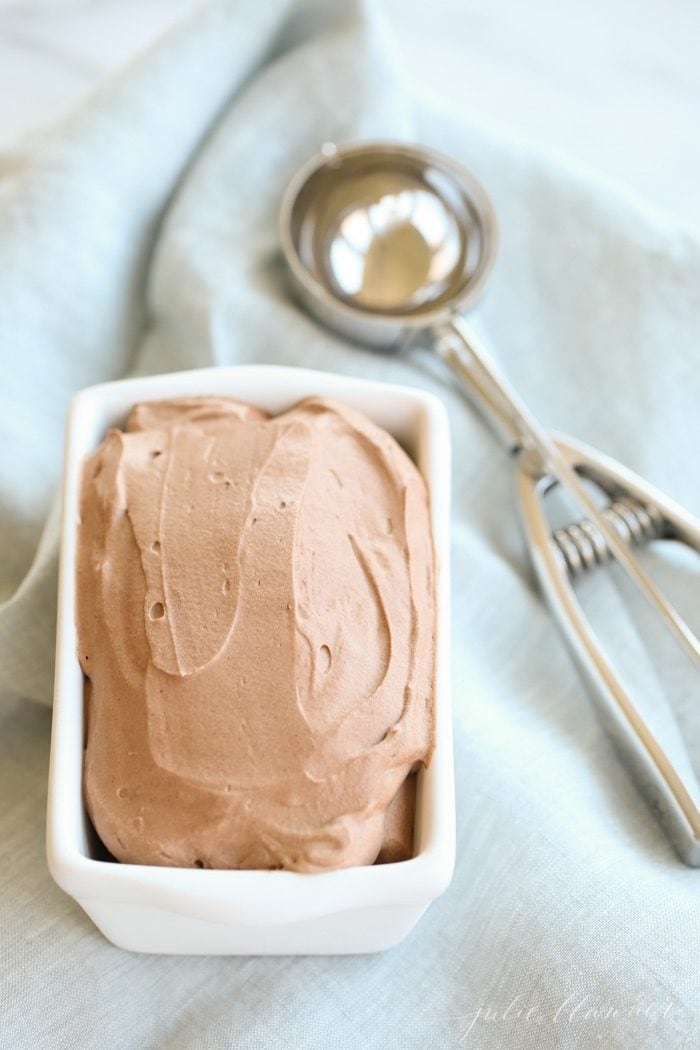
(182, 910)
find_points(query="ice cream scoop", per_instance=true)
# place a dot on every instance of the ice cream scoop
(388, 243)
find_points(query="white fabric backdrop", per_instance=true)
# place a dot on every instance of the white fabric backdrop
(141, 235)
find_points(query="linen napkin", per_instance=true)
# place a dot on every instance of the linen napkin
(140, 236)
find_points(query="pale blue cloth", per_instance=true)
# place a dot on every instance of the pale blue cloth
(141, 235)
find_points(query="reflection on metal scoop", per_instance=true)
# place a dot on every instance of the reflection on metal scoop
(385, 242)
(399, 248)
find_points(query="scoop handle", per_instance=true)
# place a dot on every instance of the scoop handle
(460, 348)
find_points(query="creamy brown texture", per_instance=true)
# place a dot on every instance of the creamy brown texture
(256, 621)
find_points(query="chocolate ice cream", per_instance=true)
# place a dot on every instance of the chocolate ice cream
(256, 623)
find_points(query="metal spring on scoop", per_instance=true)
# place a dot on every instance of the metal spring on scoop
(583, 546)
